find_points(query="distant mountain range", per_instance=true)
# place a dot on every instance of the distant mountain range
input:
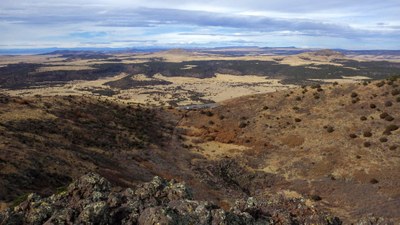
(232, 50)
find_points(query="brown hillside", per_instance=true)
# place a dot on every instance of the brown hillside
(338, 142)
(335, 147)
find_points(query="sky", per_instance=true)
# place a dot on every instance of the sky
(349, 24)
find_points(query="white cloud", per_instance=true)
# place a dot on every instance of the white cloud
(335, 23)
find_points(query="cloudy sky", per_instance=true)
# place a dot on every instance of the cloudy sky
(351, 24)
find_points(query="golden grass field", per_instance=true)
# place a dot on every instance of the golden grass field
(219, 88)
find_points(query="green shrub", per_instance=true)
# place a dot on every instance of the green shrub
(20, 199)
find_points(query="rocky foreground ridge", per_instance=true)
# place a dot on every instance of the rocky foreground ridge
(92, 200)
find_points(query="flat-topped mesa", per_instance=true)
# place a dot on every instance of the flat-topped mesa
(326, 53)
(91, 200)
(177, 51)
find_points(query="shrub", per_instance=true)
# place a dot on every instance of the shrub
(298, 98)
(242, 124)
(352, 135)
(393, 147)
(330, 129)
(19, 200)
(395, 92)
(315, 86)
(367, 144)
(383, 139)
(372, 106)
(383, 115)
(367, 134)
(355, 100)
(316, 198)
(374, 181)
(363, 118)
(354, 95)
(388, 103)
(209, 113)
(390, 128)
(380, 84)
(389, 118)
(398, 99)
(265, 107)
(297, 120)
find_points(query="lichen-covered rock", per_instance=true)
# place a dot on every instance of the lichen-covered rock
(90, 200)
(371, 220)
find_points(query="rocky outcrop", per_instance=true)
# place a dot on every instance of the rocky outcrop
(92, 200)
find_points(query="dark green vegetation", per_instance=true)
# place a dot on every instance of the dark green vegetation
(127, 83)
(289, 74)
(24, 75)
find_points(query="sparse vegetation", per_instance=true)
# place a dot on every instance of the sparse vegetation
(352, 135)
(383, 139)
(242, 124)
(390, 128)
(388, 103)
(380, 84)
(395, 92)
(367, 144)
(367, 134)
(374, 181)
(209, 113)
(383, 115)
(262, 131)
(330, 129)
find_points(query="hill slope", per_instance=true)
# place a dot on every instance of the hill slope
(335, 146)
(340, 143)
